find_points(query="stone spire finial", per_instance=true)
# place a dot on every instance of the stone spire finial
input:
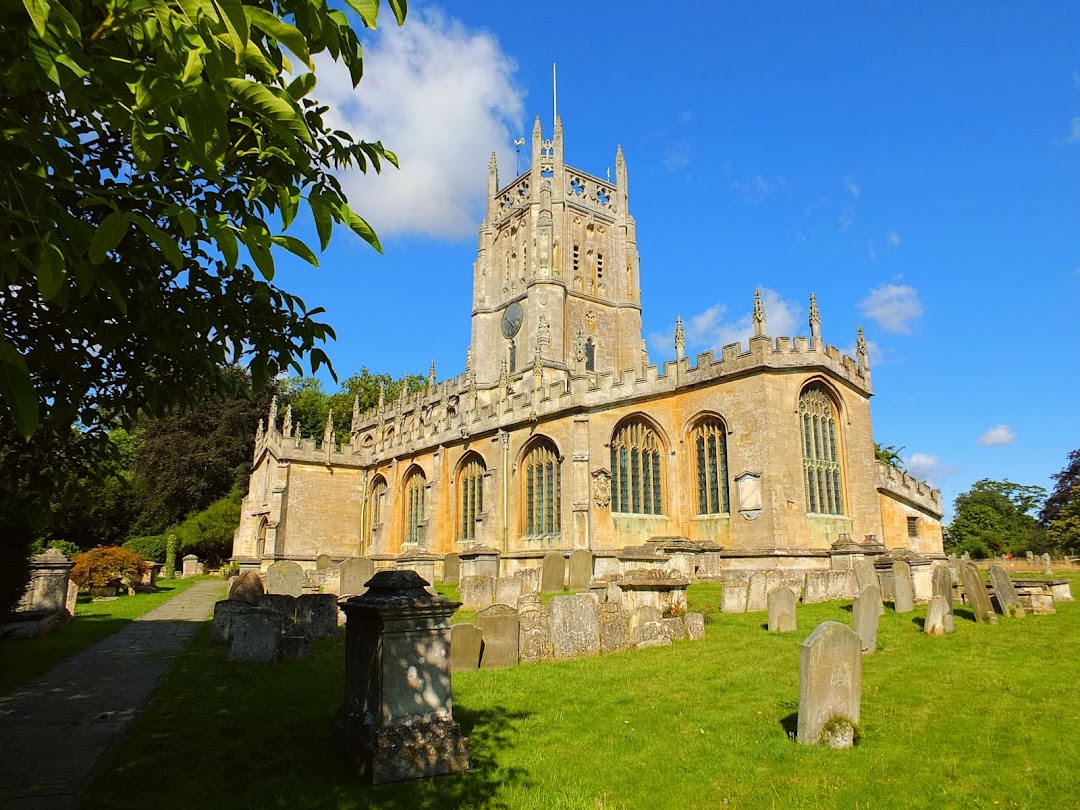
(680, 339)
(861, 349)
(259, 433)
(759, 314)
(382, 394)
(815, 319)
(431, 374)
(271, 420)
(356, 414)
(287, 430)
(468, 361)
(644, 356)
(328, 434)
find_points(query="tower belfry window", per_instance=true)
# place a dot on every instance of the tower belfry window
(577, 257)
(512, 363)
(599, 265)
(590, 355)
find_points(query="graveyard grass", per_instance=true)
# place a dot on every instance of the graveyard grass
(985, 717)
(22, 660)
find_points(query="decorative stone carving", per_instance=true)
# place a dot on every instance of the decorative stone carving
(748, 486)
(601, 488)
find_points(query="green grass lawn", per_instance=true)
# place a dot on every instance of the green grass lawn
(984, 718)
(22, 660)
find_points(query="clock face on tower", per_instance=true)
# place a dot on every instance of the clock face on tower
(511, 319)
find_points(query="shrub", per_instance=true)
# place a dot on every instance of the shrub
(151, 547)
(68, 549)
(229, 569)
(104, 564)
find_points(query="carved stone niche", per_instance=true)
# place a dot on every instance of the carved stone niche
(748, 486)
(601, 488)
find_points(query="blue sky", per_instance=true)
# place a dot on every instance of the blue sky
(917, 166)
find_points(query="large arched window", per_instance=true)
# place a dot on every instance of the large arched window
(470, 497)
(636, 470)
(541, 489)
(378, 501)
(709, 442)
(821, 451)
(415, 485)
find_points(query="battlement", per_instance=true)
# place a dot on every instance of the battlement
(899, 483)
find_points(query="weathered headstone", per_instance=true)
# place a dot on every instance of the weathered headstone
(283, 605)
(903, 593)
(191, 566)
(316, 615)
(477, 593)
(675, 628)
(499, 626)
(864, 574)
(647, 628)
(1031, 556)
(282, 577)
(293, 648)
(975, 594)
(534, 630)
(224, 613)
(943, 587)
(756, 595)
(830, 686)
(554, 573)
(936, 613)
(248, 587)
(508, 590)
(451, 572)
(355, 572)
(72, 597)
(397, 720)
(1007, 598)
(254, 635)
(1048, 568)
(580, 569)
(734, 597)
(614, 628)
(575, 626)
(781, 610)
(864, 617)
(465, 645)
(323, 561)
(695, 626)
(816, 587)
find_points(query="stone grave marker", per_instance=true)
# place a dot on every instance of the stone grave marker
(285, 577)
(247, 588)
(936, 613)
(530, 580)
(903, 593)
(734, 597)
(508, 590)
(943, 587)
(675, 628)
(1031, 556)
(975, 594)
(647, 628)
(465, 645)
(695, 626)
(1047, 567)
(757, 594)
(72, 597)
(865, 574)
(477, 593)
(817, 587)
(580, 569)
(575, 625)
(614, 628)
(451, 569)
(293, 648)
(499, 626)
(191, 566)
(355, 572)
(830, 686)
(781, 610)
(554, 573)
(283, 605)
(316, 615)
(534, 630)
(865, 611)
(224, 613)
(323, 561)
(1005, 593)
(254, 635)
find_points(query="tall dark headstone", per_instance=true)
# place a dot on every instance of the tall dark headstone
(903, 591)
(451, 573)
(865, 611)
(1005, 593)
(830, 686)
(781, 610)
(499, 625)
(553, 577)
(975, 594)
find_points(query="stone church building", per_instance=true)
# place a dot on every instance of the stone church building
(561, 434)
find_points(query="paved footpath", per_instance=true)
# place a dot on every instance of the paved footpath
(55, 729)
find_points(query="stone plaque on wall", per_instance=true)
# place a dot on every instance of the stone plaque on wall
(749, 488)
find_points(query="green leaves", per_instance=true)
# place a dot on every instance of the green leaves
(360, 227)
(284, 33)
(282, 115)
(17, 390)
(108, 235)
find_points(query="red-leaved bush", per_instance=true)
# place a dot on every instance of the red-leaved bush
(103, 564)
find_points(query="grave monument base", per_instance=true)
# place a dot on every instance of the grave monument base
(413, 749)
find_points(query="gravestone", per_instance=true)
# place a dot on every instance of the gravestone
(816, 587)
(936, 613)
(1031, 556)
(316, 615)
(397, 720)
(903, 594)
(830, 686)
(1007, 598)
(865, 574)
(508, 590)
(733, 599)
(466, 642)
(864, 617)
(975, 594)
(323, 561)
(248, 587)
(282, 577)
(224, 613)
(530, 580)
(191, 566)
(499, 626)
(355, 572)
(675, 628)
(695, 626)
(580, 569)
(534, 630)
(781, 610)
(293, 648)
(254, 635)
(943, 587)
(554, 573)
(757, 594)
(1047, 567)
(283, 605)
(477, 593)
(72, 597)
(575, 626)
(614, 630)
(647, 628)
(451, 572)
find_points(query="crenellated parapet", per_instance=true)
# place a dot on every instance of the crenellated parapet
(906, 487)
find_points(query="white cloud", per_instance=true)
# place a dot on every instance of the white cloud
(928, 468)
(757, 189)
(442, 97)
(1076, 79)
(715, 328)
(997, 436)
(852, 187)
(676, 156)
(894, 240)
(895, 307)
(1074, 132)
(847, 219)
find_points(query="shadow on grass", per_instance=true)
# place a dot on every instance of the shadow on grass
(920, 623)
(964, 613)
(790, 725)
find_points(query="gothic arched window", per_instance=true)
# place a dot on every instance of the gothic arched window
(513, 357)
(709, 441)
(590, 355)
(541, 489)
(470, 496)
(415, 485)
(378, 501)
(636, 470)
(821, 452)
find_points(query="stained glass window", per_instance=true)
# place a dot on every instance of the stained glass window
(636, 459)
(541, 490)
(821, 456)
(709, 441)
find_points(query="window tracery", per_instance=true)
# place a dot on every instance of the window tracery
(636, 470)
(471, 497)
(541, 484)
(821, 452)
(709, 442)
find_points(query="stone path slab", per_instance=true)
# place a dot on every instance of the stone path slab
(57, 728)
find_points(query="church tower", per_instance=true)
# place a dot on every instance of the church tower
(556, 279)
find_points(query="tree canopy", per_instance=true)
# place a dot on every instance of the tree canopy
(996, 517)
(1061, 512)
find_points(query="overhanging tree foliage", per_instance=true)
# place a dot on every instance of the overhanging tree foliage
(996, 517)
(153, 153)
(1061, 512)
